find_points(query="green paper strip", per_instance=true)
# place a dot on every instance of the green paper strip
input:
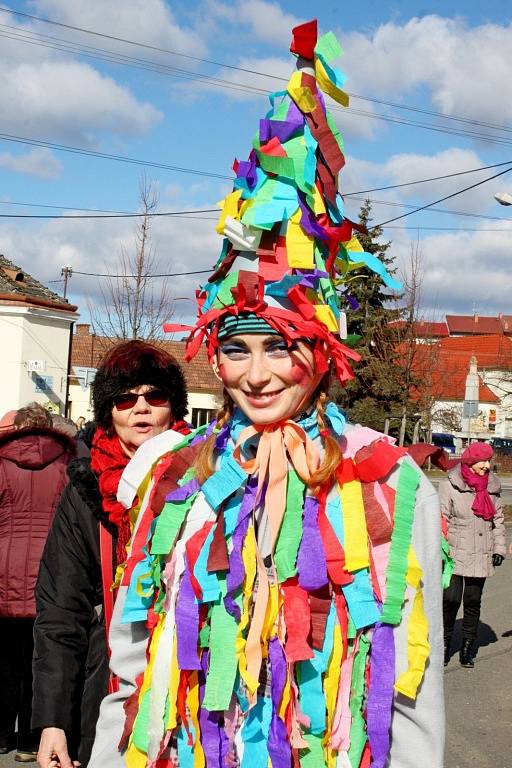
(328, 46)
(358, 734)
(224, 297)
(448, 564)
(314, 756)
(169, 523)
(396, 571)
(223, 659)
(290, 535)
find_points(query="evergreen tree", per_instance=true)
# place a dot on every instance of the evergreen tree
(377, 392)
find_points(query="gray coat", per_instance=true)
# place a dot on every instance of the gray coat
(473, 541)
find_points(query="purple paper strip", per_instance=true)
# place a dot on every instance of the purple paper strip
(236, 573)
(247, 170)
(380, 694)
(222, 438)
(277, 743)
(309, 223)
(209, 723)
(311, 563)
(183, 491)
(282, 129)
(294, 114)
(353, 302)
(187, 624)
(202, 437)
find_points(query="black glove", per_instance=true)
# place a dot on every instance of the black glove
(497, 560)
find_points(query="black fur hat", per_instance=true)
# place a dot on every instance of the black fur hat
(132, 364)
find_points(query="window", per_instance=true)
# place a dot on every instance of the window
(201, 416)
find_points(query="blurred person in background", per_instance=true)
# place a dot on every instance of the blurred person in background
(470, 502)
(139, 392)
(62, 424)
(33, 460)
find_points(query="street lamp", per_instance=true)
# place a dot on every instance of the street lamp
(503, 198)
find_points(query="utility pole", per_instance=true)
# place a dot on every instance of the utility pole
(66, 273)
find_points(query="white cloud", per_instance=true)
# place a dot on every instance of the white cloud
(180, 245)
(462, 269)
(466, 69)
(261, 19)
(38, 162)
(147, 21)
(69, 101)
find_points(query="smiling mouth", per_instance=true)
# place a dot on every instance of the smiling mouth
(263, 398)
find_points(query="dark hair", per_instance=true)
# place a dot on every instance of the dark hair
(132, 364)
(33, 415)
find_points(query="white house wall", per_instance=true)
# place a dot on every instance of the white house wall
(29, 334)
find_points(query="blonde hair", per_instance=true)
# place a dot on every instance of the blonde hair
(205, 463)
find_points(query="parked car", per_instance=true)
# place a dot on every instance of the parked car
(502, 446)
(444, 440)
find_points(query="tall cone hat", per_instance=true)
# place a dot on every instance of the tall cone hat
(288, 247)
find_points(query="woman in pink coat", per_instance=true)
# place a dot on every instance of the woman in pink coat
(470, 501)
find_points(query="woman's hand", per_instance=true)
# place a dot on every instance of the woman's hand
(53, 750)
(497, 560)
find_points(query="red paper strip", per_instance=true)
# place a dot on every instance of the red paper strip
(377, 522)
(218, 559)
(304, 39)
(375, 461)
(193, 548)
(297, 618)
(320, 605)
(334, 554)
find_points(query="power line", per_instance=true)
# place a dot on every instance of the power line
(442, 199)
(246, 70)
(424, 181)
(123, 214)
(171, 274)
(107, 156)
(177, 214)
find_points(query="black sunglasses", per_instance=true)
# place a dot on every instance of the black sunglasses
(155, 397)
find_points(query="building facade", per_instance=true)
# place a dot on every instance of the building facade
(35, 332)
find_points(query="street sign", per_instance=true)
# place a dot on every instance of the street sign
(470, 409)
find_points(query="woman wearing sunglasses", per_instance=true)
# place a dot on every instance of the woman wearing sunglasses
(281, 603)
(138, 393)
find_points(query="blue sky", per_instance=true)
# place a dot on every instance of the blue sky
(451, 60)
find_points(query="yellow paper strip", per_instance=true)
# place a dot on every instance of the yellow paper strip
(229, 208)
(299, 245)
(328, 86)
(326, 316)
(418, 646)
(354, 526)
(301, 95)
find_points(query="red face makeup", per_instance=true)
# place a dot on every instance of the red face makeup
(267, 379)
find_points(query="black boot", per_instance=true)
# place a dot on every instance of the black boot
(447, 644)
(466, 655)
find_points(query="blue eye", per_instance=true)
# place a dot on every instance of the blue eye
(233, 351)
(280, 348)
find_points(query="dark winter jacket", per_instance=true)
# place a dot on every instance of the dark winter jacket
(32, 476)
(70, 653)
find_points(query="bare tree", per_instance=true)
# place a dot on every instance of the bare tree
(133, 305)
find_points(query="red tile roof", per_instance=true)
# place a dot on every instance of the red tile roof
(87, 350)
(424, 329)
(492, 352)
(443, 367)
(473, 324)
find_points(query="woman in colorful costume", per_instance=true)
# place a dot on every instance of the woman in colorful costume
(281, 601)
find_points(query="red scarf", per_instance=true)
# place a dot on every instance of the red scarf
(108, 461)
(483, 505)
